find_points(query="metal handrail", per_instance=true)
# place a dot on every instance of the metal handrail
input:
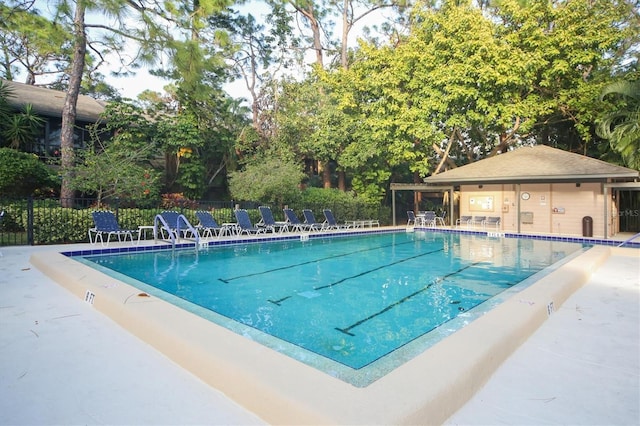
(174, 235)
(629, 240)
(190, 227)
(166, 227)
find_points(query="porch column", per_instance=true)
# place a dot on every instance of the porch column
(605, 192)
(393, 206)
(451, 207)
(518, 207)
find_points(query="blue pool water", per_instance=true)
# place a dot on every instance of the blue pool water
(351, 300)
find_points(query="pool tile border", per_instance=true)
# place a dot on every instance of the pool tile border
(568, 239)
(214, 243)
(290, 237)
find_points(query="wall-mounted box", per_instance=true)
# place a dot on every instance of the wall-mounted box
(526, 217)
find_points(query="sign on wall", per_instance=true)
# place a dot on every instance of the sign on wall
(482, 203)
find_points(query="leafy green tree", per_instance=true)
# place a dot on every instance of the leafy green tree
(109, 171)
(252, 48)
(571, 49)
(354, 11)
(120, 160)
(275, 181)
(198, 144)
(199, 139)
(31, 44)
(622, 126)
(23, 174)
(181, 141)
(296, 122)
(469, 82)
(156, 32)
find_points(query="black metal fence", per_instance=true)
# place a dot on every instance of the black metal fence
(33, 221)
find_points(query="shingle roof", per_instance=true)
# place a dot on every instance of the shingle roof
(48, 102)
(539, 163)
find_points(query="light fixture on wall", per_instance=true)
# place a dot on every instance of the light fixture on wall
(578, 185)
(480, 186)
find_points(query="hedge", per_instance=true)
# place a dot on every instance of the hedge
(53, 224)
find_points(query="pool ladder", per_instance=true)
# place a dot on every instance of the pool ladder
(174, 234)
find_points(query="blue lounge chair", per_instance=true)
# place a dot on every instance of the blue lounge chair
(478, 221)
(268, 222)
(493, 221)
(411, 218)
(106, 223)
(172, 222)
(463, 220)
(208, 225)
(171, 218)
(331, 222)
(310, 221)
(244, 223)
(293, 223)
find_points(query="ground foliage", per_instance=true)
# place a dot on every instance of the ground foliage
(22, 174)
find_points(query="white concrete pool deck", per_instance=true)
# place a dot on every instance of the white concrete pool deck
(63, 362)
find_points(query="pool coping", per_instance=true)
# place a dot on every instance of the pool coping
(280, 390)
(261, 238)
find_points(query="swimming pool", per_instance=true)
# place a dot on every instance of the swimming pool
(353, 307)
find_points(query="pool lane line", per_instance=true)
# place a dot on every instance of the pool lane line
(294, 265)
(279, 301)
(347, 330)
(322, 287)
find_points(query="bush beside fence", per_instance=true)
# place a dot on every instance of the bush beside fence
(45, 221)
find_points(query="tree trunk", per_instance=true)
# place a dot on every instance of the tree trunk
(70, 102)
(326, 174)
(317, 41)
(445, 154)
(342, 181)
(307, 9)
(345, 35)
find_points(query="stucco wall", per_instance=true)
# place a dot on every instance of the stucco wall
(485, 201)
(547, 208)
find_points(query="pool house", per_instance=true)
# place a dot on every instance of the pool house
(48, 105)
(541, 190)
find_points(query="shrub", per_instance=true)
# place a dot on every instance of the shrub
(132, 218)
(13, 216)
(59, 225)
(177, 200)
(344, 205)
(22, 174)
(273, 181)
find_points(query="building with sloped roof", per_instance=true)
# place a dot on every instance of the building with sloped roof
(542, 190)
(48, 104)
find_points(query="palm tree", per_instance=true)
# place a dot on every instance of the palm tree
(5, 108)
(622, 127)
(17, 128)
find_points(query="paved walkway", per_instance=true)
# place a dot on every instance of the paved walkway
(581, 367)
(62, 362)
